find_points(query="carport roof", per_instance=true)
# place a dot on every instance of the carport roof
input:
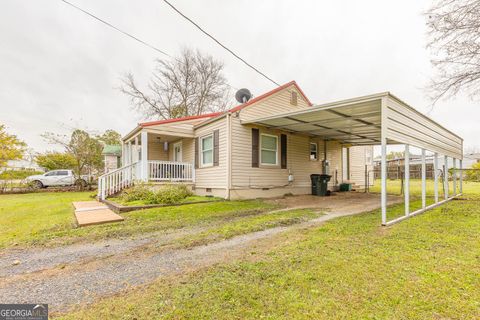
(353, 121)
(358, 121)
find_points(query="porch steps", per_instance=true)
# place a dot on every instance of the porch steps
(89, 213)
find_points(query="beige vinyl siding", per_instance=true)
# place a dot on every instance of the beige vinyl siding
(155, 149)
(187, 149)
(298, 160)
(406, 125)
(273, 105)
(215, 176)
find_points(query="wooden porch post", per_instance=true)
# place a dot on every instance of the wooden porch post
(135, 154)
(129, 152)
(144, 152)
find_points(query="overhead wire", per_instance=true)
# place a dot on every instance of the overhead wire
(221, 44)
(143, 42)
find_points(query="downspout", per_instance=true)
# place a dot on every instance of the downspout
(324, 164)
(229, 156)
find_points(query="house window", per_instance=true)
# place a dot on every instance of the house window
(207, 151)
(268, 149)
(313, 151)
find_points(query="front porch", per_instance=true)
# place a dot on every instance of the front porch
(161, 157)
(149, 156)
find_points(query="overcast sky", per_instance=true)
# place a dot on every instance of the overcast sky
(59, 68)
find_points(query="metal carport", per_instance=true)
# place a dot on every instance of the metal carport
(378, 119)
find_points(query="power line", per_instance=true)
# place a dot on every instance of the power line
(219, 43)
(128, 34)
(118, 29)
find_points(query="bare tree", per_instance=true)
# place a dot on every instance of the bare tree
(191, 84)
(85, 150)
(454, 37)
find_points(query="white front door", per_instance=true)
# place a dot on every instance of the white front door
(177, 152)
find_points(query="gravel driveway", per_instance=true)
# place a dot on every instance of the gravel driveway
(120, 264)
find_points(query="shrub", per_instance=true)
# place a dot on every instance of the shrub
(474, 174)
(137, 192)
(168, 194)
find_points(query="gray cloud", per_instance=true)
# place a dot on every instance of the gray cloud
(59, 68)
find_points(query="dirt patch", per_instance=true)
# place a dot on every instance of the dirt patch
(338, 201)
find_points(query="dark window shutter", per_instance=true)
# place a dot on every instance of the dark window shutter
(197, 146)
(255, 147)
(283, 151)
(216, 143)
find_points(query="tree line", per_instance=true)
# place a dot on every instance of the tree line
(82, 151)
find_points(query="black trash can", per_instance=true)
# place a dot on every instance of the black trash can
(319, 184)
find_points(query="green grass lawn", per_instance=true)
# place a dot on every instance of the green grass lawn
(426, 267)
(394, 187)
(47, 219)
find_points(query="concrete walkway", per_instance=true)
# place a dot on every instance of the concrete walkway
(90, 213)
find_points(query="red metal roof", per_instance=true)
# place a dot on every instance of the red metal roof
(153, 123)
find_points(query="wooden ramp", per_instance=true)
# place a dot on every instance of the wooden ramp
(89, 213)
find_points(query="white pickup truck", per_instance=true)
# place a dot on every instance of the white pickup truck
(56, 178)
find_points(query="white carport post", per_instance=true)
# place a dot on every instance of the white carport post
(144, 151)
(445, 177)
(435, 176)
(424, 182)
(461, 175)
(407, 180)
(383, 141)
(454, 176)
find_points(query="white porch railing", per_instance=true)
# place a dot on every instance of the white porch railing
(171, 171)
(117, 180)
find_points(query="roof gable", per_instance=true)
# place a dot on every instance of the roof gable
(270, 93)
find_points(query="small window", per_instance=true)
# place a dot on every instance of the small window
(293, 98)
(313, 151)
(207, 151)
(268, 149)
(51, 174)
(62, 173)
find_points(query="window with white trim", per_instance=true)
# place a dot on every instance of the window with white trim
(207, 151)
(268, 149)
(313, 151)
